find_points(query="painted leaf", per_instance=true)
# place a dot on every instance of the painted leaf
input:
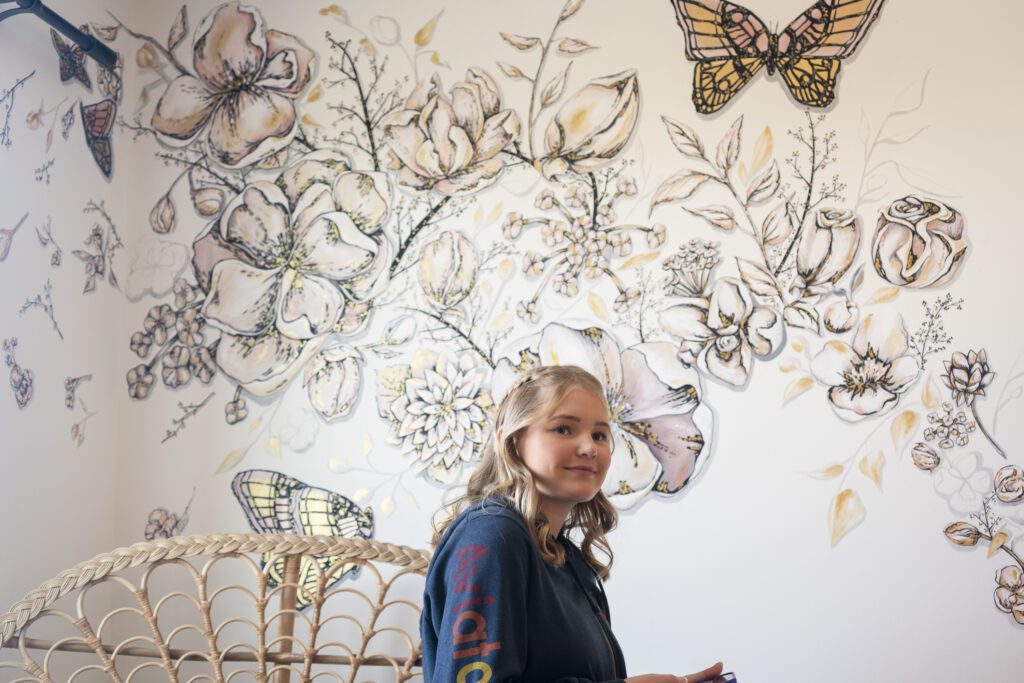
(367, 444)
(519, 42)
(797, 387)
(315, 93)
(367, 46)
(729, 146)
(803, 315)
(178, 29)
(830, 472)
(679, 186)
(230, 460)
(426, 32)
(598, 307)
(788, 366)
(857, 280)
(798, 344)
(962, 533)
(718, 216)
(387, 506)
(335, 10)
(757, 278)
(512, 71)
(871, 467)
(337, 464)
(778, 225)
(884, 295)
(902, 428)
(570, 9)
(765, 185)
(574, 46)
(359, 495)
(310, 121)
(274, 446)
(638, 260)
(762, 150)
(553, 90)
(438, 60)
(930, 396)
(997, 542)
(844, 514)
(684, 138)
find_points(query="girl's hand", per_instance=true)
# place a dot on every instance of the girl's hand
(709, 675)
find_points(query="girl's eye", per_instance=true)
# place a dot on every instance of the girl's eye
(601, 436)
(562, 429)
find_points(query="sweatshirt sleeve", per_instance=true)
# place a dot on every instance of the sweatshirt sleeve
(475, 615)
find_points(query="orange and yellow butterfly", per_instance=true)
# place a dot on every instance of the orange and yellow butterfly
(730, 44)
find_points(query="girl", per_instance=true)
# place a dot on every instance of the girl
(509, 597)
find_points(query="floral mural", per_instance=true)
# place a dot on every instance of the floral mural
(352, 238)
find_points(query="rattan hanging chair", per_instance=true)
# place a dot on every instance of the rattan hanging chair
(224, 608)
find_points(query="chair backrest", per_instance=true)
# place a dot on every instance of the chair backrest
(224, 608)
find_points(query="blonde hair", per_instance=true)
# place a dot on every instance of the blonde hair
(503, 474)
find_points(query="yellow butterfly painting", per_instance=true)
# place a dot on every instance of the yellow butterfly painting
(730, 44)
(278, 504)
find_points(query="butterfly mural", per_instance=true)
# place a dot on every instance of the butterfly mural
(277, 503)
(72, 60)
(98, 122)
(730, 44)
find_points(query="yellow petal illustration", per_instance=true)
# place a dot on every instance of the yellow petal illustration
(230, 460)
(797, 387)
(844, 513)
(902, 428)
(871, 466)
(426, 33)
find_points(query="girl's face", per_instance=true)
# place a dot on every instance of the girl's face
(569, 451)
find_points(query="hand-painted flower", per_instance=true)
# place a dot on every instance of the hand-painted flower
(248, 79)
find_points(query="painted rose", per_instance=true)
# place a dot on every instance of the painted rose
(450, 143)
(918, 243)
(1009, 484)
(723, 332)
(869, 377)
(661, 429)
(828, 242)
(288, 263)
(1009, 596)
(437, 408)
(243, 96)
(593, 126)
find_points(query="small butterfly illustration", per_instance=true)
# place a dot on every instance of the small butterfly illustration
(98, 122)
(730, 44)
(72, 60)
(276, 503)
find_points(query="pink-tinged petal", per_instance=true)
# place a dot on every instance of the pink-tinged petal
(592, 349)
(404, 137)
(422, 93)
(230, 47)
(632, 473)
(321, 166)
(655, 383)
(409, 178)
(249, 125)
(834, 359)
(852, 406)
(333, 247)
(902, 373)
(374, 279)
(241, 299)
(676, 443)
(765, 330)
(884, 333)
(498, 131)
(730, 304)
(436, 120)
(732, 367)
(462, 150)
(469, 112)
(266, 363)
(316, 201)
(476, 178)
(289, 64)
(183, 109)
(209, 250)
(354, 318)
(308, 306)
(364, 198)
(687, 320)
(1011, 577)
(428, 159)
(256, 220)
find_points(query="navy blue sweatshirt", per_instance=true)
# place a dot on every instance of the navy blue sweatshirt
(495, 612)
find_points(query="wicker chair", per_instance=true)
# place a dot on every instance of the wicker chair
(165, 610)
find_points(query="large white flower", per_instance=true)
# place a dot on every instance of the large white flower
(869, 377)
(290, 262)
(722, 332)
(661, 429)
(436, 407)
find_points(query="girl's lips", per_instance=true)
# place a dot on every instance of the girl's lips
(582, 469)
